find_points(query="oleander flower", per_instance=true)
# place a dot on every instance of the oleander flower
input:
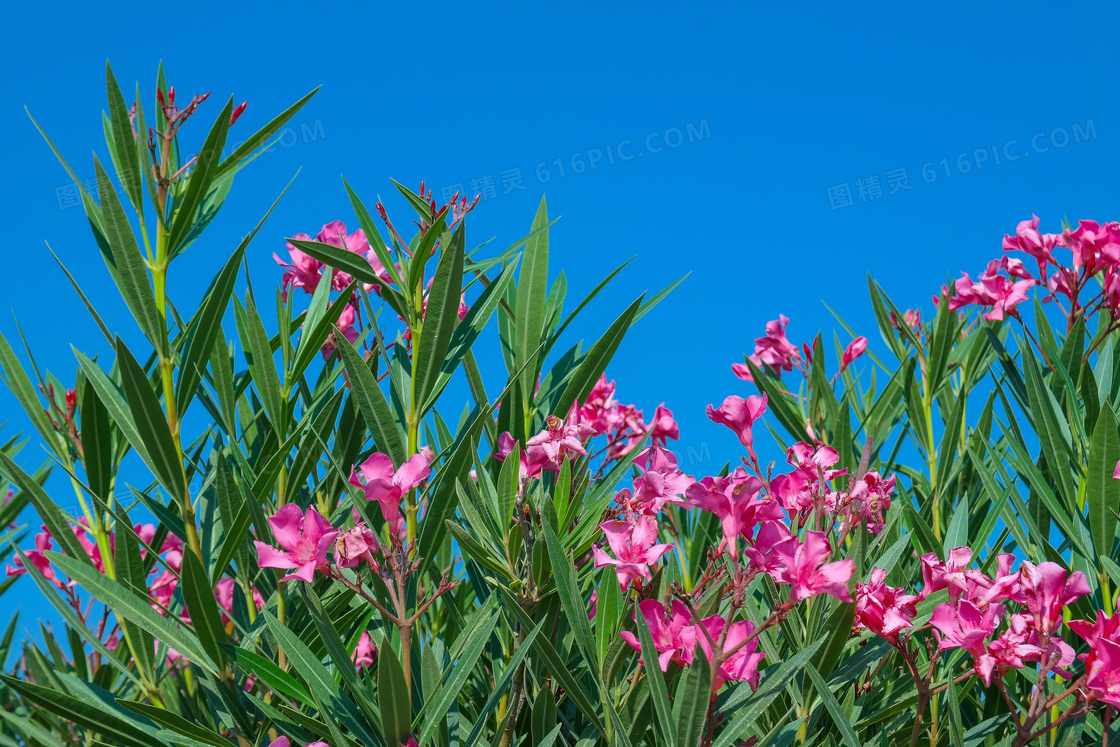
(305, 539)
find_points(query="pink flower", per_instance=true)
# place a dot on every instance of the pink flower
(1104, 672)
(854, 350)
(1010, 649)
(345, 327)
(772, 350)
(1094, 247)
(224, 594)
(882, 609)
(734, 500)
(664, 426)
(739, 415)
(283, 742)
(873, 493)
(634, 546)
(334, 233)
(38, 559)
(665, 627)
(558, 440)
(356, 544)
(303, 271)
(743, 663)
(965, 626)
(1028, 239)
(364, 651)
(807, 573)
(505, 446)
(386, 486)
(993, 289)
(660, 482)
(305, 539)
(600, 411)
(1045, 590)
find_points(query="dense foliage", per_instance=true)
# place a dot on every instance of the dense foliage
(323, 554)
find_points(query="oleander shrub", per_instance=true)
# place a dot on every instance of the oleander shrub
(287, 532)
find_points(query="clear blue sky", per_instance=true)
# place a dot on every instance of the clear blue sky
(774, 113)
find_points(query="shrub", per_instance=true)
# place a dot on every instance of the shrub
(330, 560)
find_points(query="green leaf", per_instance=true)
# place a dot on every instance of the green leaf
(205, 326)
(595, 362)
(557, 666)
(354, 265)
(75, 623)
(532, 290)
(202, 175)
(97, 442)
(19, 384)
(132, 571)
(135, 608)
(117, 729)
(263, 367)
(461, 670)
(372, 404)
(151, 426)
(469, 329)
(110, 395)
(206, 616)
(440, 318)
(57, 521)
(1102, 491)
(373, 235)
(500, 686)
(175, 723)
(1048, 422)
(323, 686)
(128, 266)
(269, 673)
(839, 718)
(770, 689)
(656, 678)
(393, 696)
(575, 610)
(956, 535)
(127, 155)
(260, 136)
(690, 708)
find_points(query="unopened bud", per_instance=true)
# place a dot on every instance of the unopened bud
(237, 112)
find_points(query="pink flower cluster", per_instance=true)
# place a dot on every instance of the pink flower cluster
(600, 415)
(748, 513)
(305, 537)
(775, 352)
(305, 272)
(676, 636)
(1094, 253)
(1002, 622)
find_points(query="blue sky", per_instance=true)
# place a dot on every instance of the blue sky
(778, 154)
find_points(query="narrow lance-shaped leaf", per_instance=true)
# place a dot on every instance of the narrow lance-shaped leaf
(441, 316)
(1102, 491)
(151, 427)
(532, 291)
(130, 269)
(372, 403)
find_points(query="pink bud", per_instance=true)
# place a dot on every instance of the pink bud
(237, 112)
